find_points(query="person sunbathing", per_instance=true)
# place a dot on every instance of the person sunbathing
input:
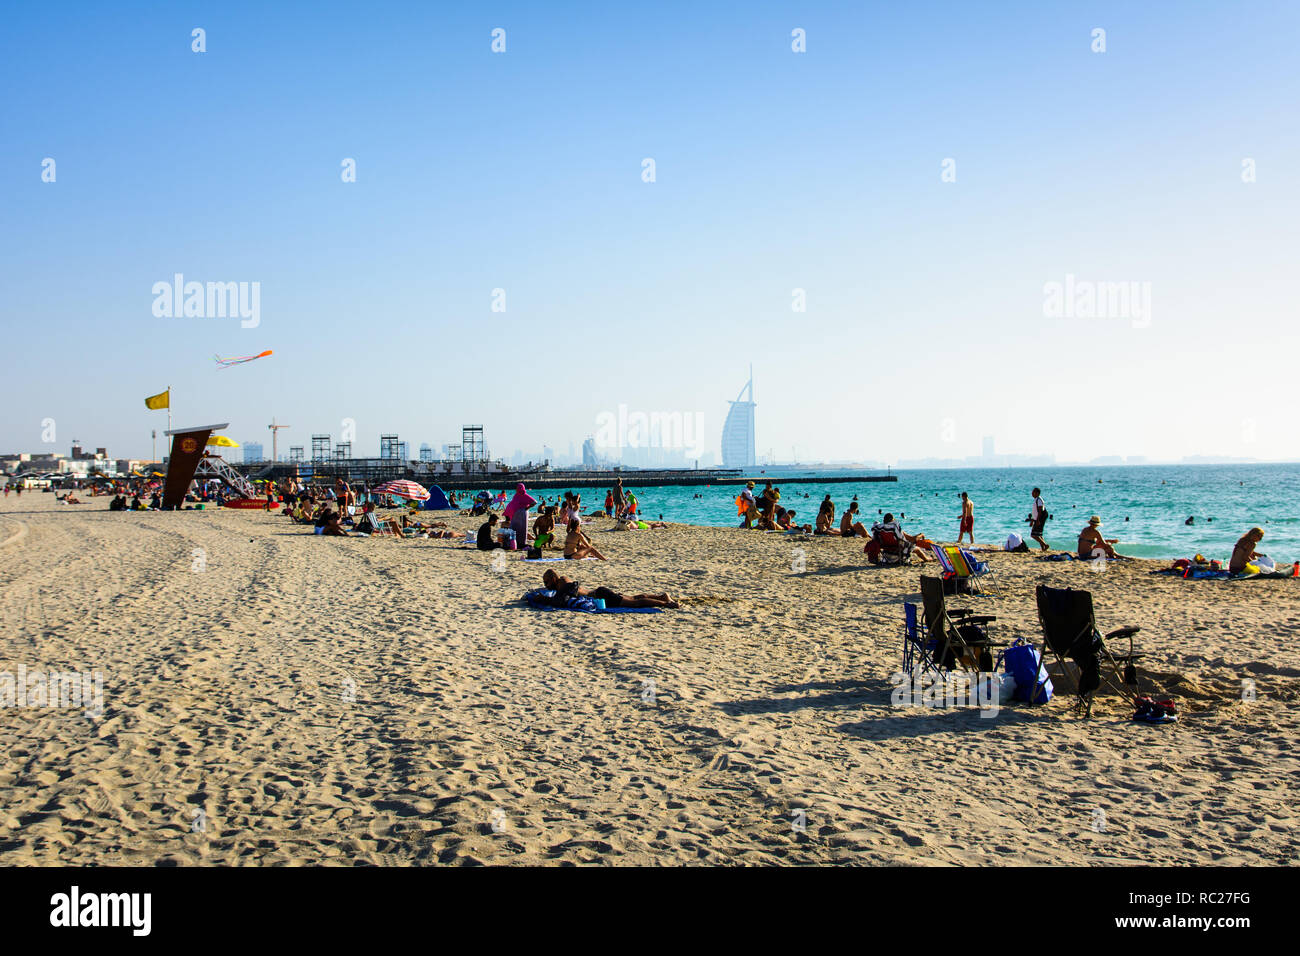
(370, 523)
(787, 523)
(563, 588)
(438, 533)
(577, 545)
(1244, 552)
(638, 524)
(1093, 546)
(849, 527)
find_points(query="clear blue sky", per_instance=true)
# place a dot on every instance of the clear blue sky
(775, 171)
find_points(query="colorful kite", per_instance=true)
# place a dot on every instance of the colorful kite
(240, 360)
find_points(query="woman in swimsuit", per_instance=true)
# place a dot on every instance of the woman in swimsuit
(577, 545)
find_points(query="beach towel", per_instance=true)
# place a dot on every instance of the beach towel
(1222, 574)
(543, 599)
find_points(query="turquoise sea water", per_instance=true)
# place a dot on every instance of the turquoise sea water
(1156, 500)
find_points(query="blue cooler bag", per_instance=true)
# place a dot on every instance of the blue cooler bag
(1025, 664)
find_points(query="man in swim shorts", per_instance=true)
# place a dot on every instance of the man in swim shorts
(967, 524)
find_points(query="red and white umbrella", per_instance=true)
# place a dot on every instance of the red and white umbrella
(402, 488)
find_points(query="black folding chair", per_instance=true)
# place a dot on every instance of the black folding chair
(957, 638)
(1070, 631)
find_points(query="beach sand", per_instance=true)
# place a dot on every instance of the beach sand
(274, 697)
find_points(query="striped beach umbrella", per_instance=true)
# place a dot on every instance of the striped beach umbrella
(402, 488)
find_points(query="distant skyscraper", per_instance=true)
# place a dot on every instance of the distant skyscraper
(589, 453)
(426, 453)
(988, 446)
(738, 429)
(252, 452)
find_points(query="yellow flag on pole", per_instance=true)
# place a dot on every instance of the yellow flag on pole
(161, 400)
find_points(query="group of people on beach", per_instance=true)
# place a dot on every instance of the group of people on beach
(885, 539)
(332, 510)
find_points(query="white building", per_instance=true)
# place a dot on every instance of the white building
(738, 429)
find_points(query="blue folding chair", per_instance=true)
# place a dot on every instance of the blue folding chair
(918, 646)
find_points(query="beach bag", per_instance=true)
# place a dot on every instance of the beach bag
(1025, 664)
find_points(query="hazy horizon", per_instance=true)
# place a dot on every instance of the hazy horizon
(992, 227)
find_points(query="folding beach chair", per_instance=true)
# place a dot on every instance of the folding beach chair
(1070, 631)
(918, 648)
(960, 569)
(956, 638)
(885, 547)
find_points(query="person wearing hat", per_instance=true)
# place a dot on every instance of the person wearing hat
(1092, 545)
(747, 499)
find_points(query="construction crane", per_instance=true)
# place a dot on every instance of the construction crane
(275, 434)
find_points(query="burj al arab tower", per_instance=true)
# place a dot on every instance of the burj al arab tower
(738, 430)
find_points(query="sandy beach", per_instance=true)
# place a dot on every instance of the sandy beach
(274, 697)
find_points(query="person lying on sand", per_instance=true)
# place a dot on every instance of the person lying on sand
(638, 524)
(577, 545)
(563, 587)
(1092, 545)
